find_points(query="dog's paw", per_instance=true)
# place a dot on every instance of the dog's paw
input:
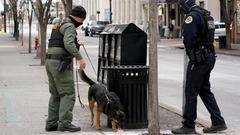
(91, 122)
(120, 131)
(98, 127)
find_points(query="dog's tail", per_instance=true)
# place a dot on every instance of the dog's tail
(85, 78)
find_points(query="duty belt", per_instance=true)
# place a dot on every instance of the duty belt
(210, 49)
(54, 56)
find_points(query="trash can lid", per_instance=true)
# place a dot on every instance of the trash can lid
(125, 67)
(123, 29)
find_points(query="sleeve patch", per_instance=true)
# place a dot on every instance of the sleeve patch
(189, 19)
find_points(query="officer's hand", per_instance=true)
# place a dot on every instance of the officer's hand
(82, 64)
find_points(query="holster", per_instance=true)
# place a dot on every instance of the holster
(198, 55)
(65, 62)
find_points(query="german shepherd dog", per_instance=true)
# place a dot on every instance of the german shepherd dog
(107, 103)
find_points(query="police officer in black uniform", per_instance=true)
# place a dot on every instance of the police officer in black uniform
(198, 33)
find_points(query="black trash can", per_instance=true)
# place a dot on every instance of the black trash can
(161, 31)
(176, 32)
(222, 42)
(121, 44)
(130, 83)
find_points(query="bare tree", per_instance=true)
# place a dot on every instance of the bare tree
(153, 113)
(233, 25)
(67, 6)
(226, 15)
(21, 18)
(13, 8)
(29, 15)
(42, 11)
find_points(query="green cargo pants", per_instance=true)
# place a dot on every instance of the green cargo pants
(62, 99)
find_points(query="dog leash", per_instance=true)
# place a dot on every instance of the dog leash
(81, 44)
(79, 99)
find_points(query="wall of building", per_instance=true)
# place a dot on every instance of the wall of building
(213, 6)
(123, 11)
(91, 6)
(127, 11)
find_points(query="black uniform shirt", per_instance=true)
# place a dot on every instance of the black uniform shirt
(194, 27)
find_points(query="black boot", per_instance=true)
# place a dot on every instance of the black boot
(70, 128)
(215, 129)
(184, 130)
(49, 129)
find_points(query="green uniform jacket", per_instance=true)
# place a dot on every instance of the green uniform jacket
(70, 34)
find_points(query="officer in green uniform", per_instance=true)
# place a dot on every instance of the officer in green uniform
(62, 48)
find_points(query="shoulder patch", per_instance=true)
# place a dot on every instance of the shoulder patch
(189, 19)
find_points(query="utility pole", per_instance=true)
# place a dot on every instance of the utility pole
(153, 113)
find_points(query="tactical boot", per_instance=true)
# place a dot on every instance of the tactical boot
(184, 130)
(70, 128)
(49, 129)
(215, 129)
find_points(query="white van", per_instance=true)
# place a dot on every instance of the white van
(220, 29)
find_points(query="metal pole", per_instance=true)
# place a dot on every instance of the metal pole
(153, 112)
(5, 19)
(98, 12)
(110, 8)
(185, 63)
(57, 9)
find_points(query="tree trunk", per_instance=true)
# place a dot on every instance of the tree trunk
(153, 113)
(43, 30)
(226, 14)
(30, 32)
(67, 6)
(43, 13)
(22, 29)
(13, 4)
(15, 32)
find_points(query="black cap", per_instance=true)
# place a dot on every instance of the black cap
(79, 11)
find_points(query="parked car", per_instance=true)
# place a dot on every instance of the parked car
(86, 31)
(50, 20)
(220, 30)
(83, 26)
(96, 27)
(56, 20)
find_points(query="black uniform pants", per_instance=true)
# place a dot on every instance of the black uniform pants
(197, 83)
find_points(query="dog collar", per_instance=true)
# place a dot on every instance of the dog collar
(108, 102)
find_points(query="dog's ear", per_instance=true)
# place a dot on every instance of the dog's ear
(121, 114)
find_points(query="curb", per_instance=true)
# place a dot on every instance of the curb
(178, 111)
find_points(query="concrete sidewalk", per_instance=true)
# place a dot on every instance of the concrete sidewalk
(24, 97)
